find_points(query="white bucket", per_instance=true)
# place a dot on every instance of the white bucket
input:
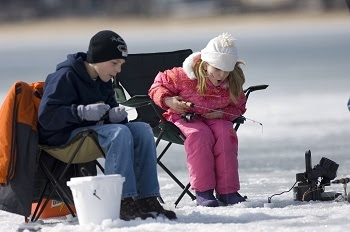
(97, 198)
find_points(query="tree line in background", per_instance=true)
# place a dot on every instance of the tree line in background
(19, 10)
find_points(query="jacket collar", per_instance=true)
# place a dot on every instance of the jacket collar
(188, 65)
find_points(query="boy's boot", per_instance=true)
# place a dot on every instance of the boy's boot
(206, 198)
(230, 198)
(151, 205)
(129, 210)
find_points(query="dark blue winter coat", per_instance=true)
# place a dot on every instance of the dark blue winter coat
(64, 90)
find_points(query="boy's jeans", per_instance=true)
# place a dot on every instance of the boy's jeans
(130, 152)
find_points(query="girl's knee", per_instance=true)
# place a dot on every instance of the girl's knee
(229, 135)
(231, 132)
(225, 130)
(204, 135)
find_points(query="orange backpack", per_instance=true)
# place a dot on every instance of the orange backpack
(20, 107)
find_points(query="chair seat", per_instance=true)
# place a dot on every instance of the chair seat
(89, 151)
(171, 133)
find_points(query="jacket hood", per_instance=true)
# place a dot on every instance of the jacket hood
(75, 62)
(188, 64)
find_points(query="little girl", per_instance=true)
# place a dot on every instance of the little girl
(211, 79)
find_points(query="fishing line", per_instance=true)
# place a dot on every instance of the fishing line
(252, 120)
(214, 110)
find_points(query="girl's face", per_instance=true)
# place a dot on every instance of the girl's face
(109, 69)
(216, 76)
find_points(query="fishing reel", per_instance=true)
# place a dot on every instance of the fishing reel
(309, 187)
(188, 117)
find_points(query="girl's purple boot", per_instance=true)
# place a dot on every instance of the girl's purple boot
(230, 198)
(206, 198)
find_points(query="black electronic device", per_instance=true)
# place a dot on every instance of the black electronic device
(311, 183)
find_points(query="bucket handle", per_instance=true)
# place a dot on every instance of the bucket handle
(85, 172)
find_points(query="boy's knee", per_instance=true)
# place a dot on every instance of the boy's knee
(143, 128)
(117, 130)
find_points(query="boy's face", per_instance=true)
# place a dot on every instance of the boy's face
(109, 69)
(216, 76)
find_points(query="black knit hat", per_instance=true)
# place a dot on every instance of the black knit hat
(106, 45)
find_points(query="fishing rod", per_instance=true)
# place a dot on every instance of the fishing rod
(192, 105)
(190, 117)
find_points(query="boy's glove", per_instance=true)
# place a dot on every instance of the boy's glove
(117, 114)
(92, 112)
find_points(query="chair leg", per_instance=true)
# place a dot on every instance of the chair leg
(43, 193)
(183, 193)
(163, 152)
(55, 183)
(66, 199)
(100, 166)
(178, 182)
(159, 137)
(160, 199)
(39, 203)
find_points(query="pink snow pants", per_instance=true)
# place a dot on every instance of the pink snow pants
(212, 149)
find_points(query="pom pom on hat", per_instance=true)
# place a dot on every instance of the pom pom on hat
(106, 45)
(221, 52)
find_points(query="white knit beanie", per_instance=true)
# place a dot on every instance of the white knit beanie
(221, 52)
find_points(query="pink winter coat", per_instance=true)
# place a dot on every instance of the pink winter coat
(182, 82)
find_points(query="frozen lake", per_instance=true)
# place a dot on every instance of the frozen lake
(305, 62)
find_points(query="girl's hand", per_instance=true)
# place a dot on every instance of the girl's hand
(212, 115)
(176, 104)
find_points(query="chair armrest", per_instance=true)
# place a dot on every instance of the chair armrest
(254, 88)
(118, 91)
(137, 101)
(239, 120)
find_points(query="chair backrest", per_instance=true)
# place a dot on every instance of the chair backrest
(139, 72)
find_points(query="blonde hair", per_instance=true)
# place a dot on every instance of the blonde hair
(236, 79)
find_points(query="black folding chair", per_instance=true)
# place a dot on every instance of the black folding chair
(81, 149)
(136, 78)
